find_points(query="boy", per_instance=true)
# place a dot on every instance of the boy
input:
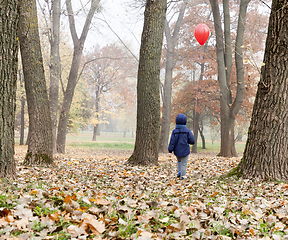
(180, 139)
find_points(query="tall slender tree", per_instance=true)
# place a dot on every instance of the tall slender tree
(167, 88)
(9, 15)
(40, 147)
(54, 40)
(52, 26)
(266, 152)
(148, 97)
(229, 109)
(73, 75)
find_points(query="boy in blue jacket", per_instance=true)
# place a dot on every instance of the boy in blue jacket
(180, 139)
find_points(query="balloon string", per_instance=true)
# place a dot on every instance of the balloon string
(196, 96)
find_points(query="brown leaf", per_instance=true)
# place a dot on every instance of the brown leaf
(5, 212)
(94, 225)
(143, 218)
(69, 198)
(184, 219)
(54, 216)
(22, 224)
(100, 201)
(191, 210)
(75, 231)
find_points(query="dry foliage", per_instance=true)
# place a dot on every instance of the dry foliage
(94, 195)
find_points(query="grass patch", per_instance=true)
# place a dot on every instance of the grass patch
(215, 147)
(86, 136)
(112, 145)
(116, 140)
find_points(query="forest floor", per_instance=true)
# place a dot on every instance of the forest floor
(93, 194)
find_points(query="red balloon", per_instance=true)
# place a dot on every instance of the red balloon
(201, 33)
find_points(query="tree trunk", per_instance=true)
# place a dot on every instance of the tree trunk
(97, 103)
(22, 124)
(227, 147)
(195, 130)
(148, 98)
(40, 147)
(27, 139)
(22, 121)
(72, 80)
(95, 132)
(203, 140)
(9, 15)
(202, 135)
(167, 89)
(229, 110)
(54, 68)
(266, 155)
(197, 114)
(166, 109)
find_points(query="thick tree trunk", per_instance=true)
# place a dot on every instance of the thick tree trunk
(167, 89)
(9, 15)
(54, 68)
(227, 147)
(266, 154)
(27, 139)
(40, 147)
(148, 98)
(72, 80)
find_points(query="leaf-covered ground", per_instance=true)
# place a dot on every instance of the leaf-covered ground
(94, 195)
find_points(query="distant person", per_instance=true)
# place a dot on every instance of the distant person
(180, 139)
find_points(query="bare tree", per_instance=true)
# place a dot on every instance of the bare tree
(73, 75)
(167, 88)
(229, 109)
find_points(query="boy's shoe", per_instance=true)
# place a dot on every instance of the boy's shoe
(182, 178)
(178, 174)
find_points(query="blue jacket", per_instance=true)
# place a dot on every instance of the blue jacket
(181, 137)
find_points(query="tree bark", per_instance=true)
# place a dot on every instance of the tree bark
(22, 116)
(266, 154)
(22, 124)
(40, 147)
(196, 114)
(97, 102)
(54, 40)
(72, 79)
(229, 110)
(167, 89)
(148, 97)
(9, 15)
(195, 130)
(202, 138)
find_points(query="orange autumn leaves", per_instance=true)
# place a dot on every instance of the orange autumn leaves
(103, 198)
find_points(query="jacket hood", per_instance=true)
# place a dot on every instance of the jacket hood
(181, 119)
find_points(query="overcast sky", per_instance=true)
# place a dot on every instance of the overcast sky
(126, 22)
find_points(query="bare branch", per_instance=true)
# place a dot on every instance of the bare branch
(72, 22)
